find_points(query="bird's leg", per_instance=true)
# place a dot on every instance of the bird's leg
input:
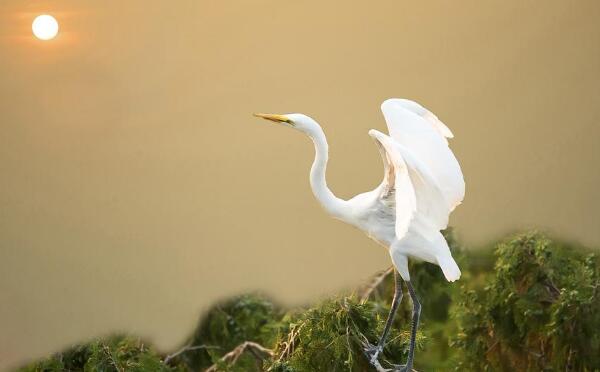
(415, 325)
(393, 309)
(374, 351)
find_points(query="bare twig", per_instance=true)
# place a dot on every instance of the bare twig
(366, 293)
(568, 365)
(185, 349)
(106, 350)
(259, 352)
(290, 343)
(492, 347)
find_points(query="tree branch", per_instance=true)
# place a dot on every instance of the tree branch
(184, 349)
(259, 352)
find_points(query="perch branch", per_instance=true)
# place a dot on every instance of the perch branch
(290, 343)
(185, 349)
(106, 350)
(259, 352)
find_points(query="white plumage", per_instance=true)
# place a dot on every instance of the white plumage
(422, 185)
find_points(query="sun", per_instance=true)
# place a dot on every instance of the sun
(45, 27)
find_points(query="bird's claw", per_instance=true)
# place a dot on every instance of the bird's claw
(372, 353)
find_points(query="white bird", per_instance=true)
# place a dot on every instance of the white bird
(422, 184)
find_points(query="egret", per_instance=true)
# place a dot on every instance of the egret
(422, 184)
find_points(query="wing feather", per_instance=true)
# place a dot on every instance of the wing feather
(425, 114)
(416, 191)
(424, 136)
(389, 174)
(396, 182)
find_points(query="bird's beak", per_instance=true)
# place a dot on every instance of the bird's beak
(275, 118)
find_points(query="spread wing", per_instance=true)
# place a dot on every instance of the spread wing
(421, 133)
(416, 192)
(425, 114)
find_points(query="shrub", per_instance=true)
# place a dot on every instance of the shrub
(117, 353)
(332, 335)
(539, 310)
(249, 317)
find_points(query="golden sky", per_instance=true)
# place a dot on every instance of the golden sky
(137, 188)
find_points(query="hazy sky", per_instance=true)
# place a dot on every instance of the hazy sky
(137, 188)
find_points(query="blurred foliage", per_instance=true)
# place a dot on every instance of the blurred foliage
(538, 310)
(532, 305)
(227, 325)
(116, 353)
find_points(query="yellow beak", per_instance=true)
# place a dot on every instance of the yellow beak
(276, 118)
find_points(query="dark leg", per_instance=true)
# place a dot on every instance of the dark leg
(374, 351)
(393, 309)
(415, 325)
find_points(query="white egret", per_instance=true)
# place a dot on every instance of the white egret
(422, 184)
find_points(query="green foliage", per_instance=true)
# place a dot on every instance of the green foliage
(226, 325)
(115, 354)
(332, 335)
(538, 310)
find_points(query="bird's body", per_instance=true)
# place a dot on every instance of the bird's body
(422, 185)
(376, 217)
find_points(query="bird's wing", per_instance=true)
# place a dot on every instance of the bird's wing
(432, 205)
(415, 190)
(389, 173)
(396, 183)
(418, 130)
(425, 114)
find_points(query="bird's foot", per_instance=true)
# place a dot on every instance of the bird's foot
(372, 353)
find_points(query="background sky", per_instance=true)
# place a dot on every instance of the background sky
(136, 188)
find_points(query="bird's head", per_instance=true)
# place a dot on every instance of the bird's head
(299, 122)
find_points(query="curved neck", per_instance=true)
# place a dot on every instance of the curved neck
(318, 182)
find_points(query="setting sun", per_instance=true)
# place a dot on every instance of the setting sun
(45, 27)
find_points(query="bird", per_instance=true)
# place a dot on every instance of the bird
(422, 184)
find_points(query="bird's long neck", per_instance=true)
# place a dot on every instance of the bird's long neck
(318, 182)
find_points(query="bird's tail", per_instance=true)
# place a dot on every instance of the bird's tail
(449, 267)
